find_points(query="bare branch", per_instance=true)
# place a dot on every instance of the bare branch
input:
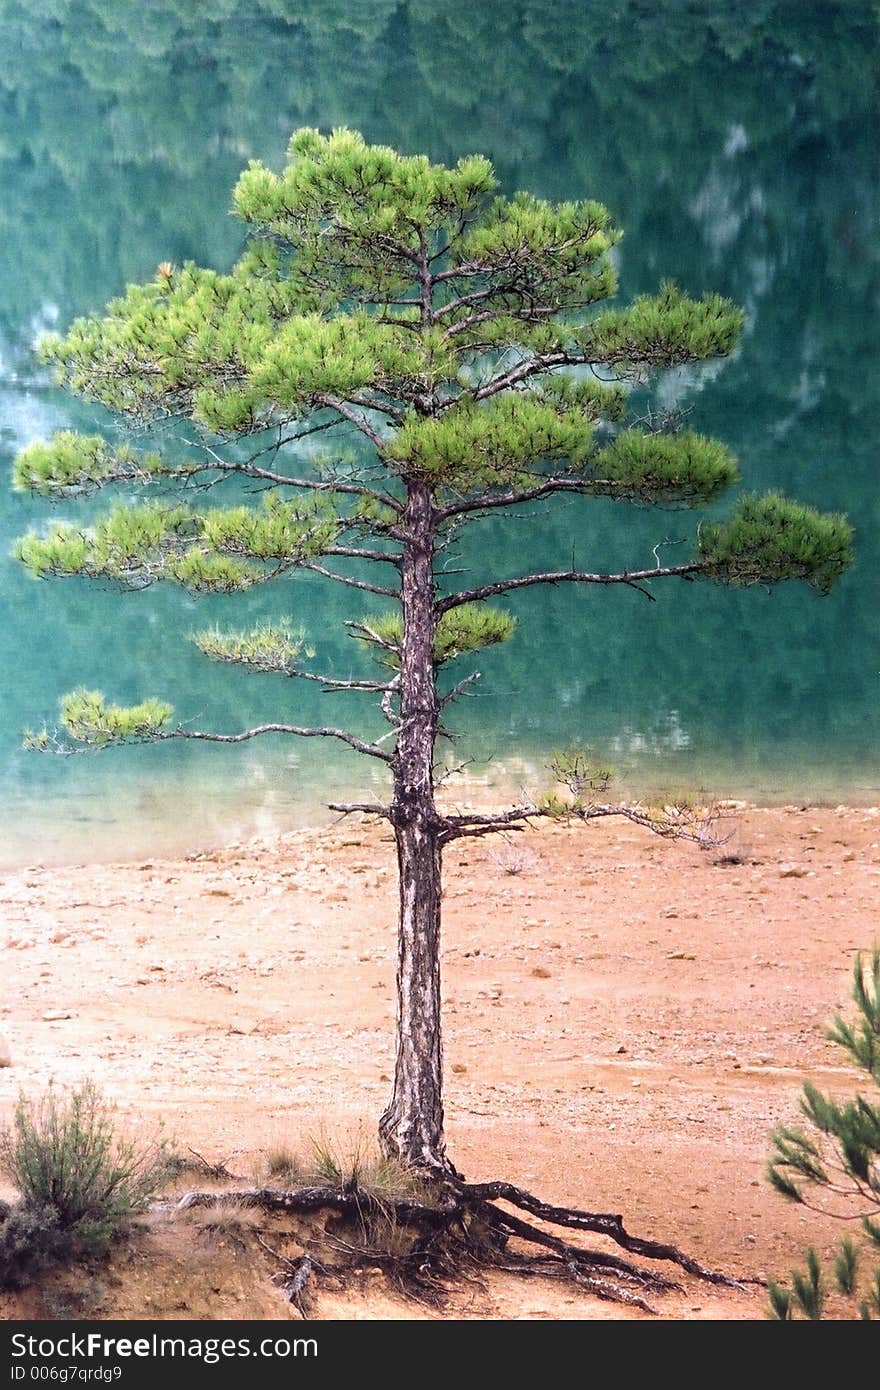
(356, 553)
(673, 822)
(457, 689)
(268, 475)
(628, 577)
(359, 421)
(347, 579)
(522, 314)
(532, 366)
(463, 301)
(366, 631)
(370, 749)
(513, 499)
(466, 268)
(368, 808)
(332, 683)
(647, 592)
(473, 831)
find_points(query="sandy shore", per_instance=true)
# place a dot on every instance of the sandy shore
(626, 1017)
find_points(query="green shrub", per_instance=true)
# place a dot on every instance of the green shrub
(31, 1241)
(65, 1157)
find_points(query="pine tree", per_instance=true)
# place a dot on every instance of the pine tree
(838, 1170)
(459, 337)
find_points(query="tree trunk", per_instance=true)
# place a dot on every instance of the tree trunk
(411, 1129)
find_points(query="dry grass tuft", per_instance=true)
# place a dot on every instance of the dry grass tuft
(229, 1219)
(282, 1164)
(360, 1165)
(512, 860)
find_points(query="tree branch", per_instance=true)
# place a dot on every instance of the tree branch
(530, 367)
(457, 689)
(354, 418)
(465, 269)
(368, 808)
(347, 579)
(371, 635)
(474, 831)
(521, 314)
(513, 499)
(355, 553)
(674, 822)
(331, 683)
(252, 470)
(629, 577)
(370, 749)
(463, 301)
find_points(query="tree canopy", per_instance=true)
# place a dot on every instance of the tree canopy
(454, 331)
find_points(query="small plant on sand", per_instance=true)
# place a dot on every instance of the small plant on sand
(357, 1165)
(362, 1167)
(80, 1182)
(280, 1163)
(230, 1220)
(836, 1169)
(513, 861)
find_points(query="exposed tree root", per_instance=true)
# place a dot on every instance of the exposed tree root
(448, 1230)
(599, 1223)
(295, 1281)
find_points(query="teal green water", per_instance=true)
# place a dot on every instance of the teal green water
(735, 143)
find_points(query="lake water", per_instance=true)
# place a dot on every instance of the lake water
(736, 145)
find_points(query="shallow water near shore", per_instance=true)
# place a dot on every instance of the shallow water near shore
(127, 818)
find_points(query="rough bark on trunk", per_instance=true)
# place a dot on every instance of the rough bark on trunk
(411, 1129)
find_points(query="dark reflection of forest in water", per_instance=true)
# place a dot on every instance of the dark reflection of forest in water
(736, 145)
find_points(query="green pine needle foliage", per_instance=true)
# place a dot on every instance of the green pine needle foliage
(596, 400)
(87, 719)
(770, 538)
(862, 1040)
(780, 1302)
(808, 1288)
(218, 550)
(683, 468)
(69, 463)
(270, 647)
(324, 307)
(469, 628)
(839, 1170)
(353, 211)
(473, 447)
(666, 329)
(846, 1267)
